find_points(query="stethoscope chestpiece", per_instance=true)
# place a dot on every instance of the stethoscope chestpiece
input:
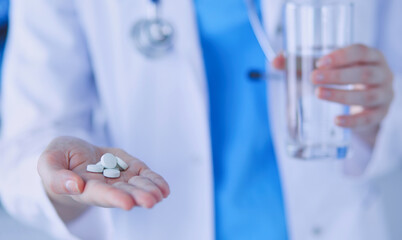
(153, 37)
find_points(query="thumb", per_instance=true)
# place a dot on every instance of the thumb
(56, 177)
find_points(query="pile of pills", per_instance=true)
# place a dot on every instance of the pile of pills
(109, 165)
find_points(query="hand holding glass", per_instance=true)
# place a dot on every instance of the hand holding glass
(322, 64)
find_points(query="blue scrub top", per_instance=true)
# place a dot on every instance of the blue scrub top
(4, 5)
(248, 197)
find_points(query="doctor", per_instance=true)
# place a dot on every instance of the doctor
(192, 116)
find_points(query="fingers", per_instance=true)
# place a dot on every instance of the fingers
(351, 55)
(366, 69)
(139, 191)
(370, 97)
(364, 119)
(53, 169)
(137, 167)
(367, 75)
(105, 195)
(145, 187)
(279, 62)
(142, 190)
(158, 181)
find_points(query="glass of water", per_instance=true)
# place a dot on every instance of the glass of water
(313, 29)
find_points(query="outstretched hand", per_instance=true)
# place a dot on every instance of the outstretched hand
(62, 167)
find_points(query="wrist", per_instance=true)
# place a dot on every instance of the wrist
(66, 207)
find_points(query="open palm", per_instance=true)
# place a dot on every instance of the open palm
(63, 164)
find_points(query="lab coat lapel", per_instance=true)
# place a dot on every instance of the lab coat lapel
(168, 96)
(271, 19)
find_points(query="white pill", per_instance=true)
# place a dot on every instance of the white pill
(95, 168)
(111, 173)
(108, 160)
(99, 163)
(121, 163)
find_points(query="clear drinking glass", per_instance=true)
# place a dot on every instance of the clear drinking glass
(313, 29)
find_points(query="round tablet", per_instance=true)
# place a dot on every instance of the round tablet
(111, 173)
(95, 168)
(108, 160)
(121, 163)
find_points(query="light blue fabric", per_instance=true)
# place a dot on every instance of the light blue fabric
(248, 195)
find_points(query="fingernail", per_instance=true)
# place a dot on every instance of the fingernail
(323, 62)
(72, 187)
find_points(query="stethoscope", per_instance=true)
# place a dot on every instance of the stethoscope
(154, 36)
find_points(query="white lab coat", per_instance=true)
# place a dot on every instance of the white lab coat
(71, 69)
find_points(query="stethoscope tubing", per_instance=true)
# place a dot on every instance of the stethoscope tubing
(259, 32)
